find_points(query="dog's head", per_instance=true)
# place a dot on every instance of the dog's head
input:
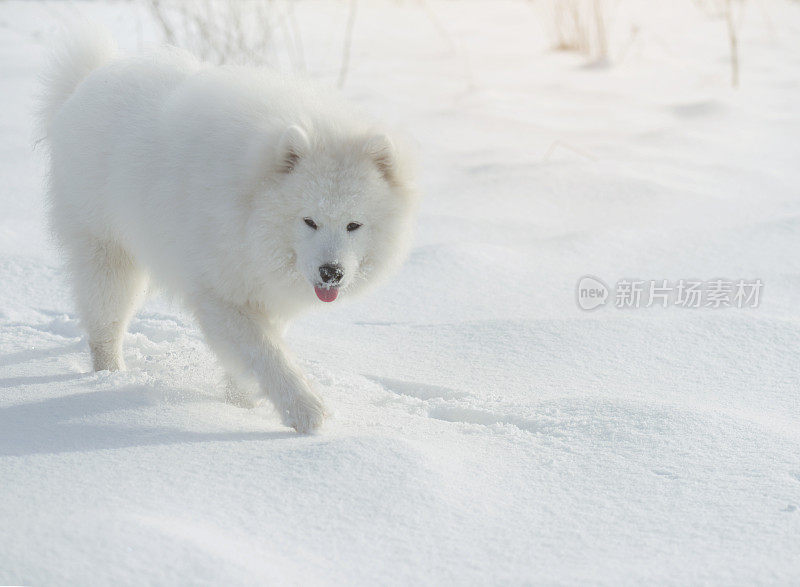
(347, 207)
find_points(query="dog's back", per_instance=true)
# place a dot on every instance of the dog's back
(99, 115)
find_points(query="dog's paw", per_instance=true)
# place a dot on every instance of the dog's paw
(306, 413)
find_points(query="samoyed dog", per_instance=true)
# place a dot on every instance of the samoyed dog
(252, 196)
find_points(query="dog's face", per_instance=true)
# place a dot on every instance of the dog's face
(349, 211)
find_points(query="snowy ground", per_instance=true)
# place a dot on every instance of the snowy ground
(486, 429)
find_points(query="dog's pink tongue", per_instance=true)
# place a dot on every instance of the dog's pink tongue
(326, 295)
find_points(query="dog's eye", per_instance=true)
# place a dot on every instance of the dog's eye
(353, 226)
(310, 223)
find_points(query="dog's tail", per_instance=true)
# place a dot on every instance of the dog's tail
(82, 50)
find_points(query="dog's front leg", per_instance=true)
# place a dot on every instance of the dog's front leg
(247, 343)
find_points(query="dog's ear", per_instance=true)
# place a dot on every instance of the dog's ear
(381, 150)
(294, 145)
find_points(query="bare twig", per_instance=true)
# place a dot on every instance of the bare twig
(600, 27)
(580, 25)
(348, 41)
(734, 41)
(440, 28)
(222, 31)
(297, 39)
(157, 9)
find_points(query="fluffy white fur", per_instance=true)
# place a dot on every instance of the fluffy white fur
(200, 177)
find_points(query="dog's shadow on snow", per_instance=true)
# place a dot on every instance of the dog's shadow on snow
(33, 354)
(58, 424)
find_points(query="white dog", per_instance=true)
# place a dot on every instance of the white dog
(251, 195)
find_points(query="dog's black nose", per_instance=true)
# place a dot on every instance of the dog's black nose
(331, 273)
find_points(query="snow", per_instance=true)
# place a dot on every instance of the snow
(485, 429)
